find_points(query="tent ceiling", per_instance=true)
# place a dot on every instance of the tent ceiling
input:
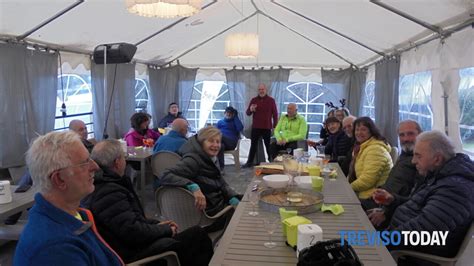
(288, 29)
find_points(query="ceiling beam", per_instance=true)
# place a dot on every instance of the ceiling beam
(409, 17)
(49, 20)
(258, 11)
(328, 28)
(170, 26)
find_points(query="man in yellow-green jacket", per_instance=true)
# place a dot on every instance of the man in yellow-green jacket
(290, 129)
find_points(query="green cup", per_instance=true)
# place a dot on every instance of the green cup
(314, 170)
(317, 183)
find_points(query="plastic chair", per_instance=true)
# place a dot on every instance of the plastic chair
(394, 154)
(442, 261)
(177, 204)
(170, 257)
(236, 154)
(163, 160)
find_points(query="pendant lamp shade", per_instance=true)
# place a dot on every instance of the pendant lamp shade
(164, 8)
(241, 45)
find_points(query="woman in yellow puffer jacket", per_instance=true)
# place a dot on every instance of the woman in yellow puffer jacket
(371, 161)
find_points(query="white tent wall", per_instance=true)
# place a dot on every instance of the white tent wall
(443, 58)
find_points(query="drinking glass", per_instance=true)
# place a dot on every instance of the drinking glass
(254, 197)
(270, 224)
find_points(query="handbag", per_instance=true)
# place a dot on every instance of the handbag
(329, 253)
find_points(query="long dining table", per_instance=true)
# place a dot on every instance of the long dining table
(242, 242)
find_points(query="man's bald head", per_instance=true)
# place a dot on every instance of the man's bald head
(180, 125)
(79, 127)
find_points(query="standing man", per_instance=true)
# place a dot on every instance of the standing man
(264, 118)
(58, 231)
(290, 129)
(173, 113)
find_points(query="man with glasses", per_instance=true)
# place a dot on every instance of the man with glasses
(121, 219)
(58, 231)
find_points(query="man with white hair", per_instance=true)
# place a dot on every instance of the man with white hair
(80, 128)
(121, 220)
(444, 201)
(58, 231)
(348, 127)
(175, 138)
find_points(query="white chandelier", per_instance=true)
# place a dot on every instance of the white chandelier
(241, 45)
(164, 8)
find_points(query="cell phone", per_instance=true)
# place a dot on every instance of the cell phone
(22, 189)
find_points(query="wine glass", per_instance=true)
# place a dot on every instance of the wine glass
(270, 224)
(254, 197)
(289, 150)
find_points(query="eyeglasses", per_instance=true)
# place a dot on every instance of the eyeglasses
(82, 164)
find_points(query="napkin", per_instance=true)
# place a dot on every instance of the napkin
(336, 209)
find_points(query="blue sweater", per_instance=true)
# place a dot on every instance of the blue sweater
(231, 128)
(54, 237)
(170, 142)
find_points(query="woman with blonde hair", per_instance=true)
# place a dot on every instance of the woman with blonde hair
(198, 171)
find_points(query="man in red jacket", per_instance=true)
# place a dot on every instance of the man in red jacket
(264, 119)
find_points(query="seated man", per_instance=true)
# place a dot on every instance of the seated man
(25, 181)
(444, 201)
(173, 113)
(58, 231)
(174, 139)
(80, 128)
(230, 127)
(403, 176)
(122, 222)
(347, 126)
(290, 128)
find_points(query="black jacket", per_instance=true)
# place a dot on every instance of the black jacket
(443, 202)
(197, 167)
(339, 144)
(403, 176)
(168, 119)
(120, 218)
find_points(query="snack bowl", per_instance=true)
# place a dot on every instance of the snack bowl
(276, 181)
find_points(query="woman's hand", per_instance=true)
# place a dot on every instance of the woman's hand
(200, 200)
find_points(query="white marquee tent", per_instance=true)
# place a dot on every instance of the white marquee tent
(298, 33)
(306, 37)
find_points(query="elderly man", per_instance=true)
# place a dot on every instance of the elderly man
(290, 129)
(121, 220)
(403, 176)
(174, 139)
(264, 118)
(444, 201)
(173, 113)
(80, 128)
(348, 127)
(58, 231)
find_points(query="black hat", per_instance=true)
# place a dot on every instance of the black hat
(229, 109)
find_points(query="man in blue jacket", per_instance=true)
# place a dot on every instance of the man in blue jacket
(174, 139)
(443, 202)
(58, 231)
(230, 127)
